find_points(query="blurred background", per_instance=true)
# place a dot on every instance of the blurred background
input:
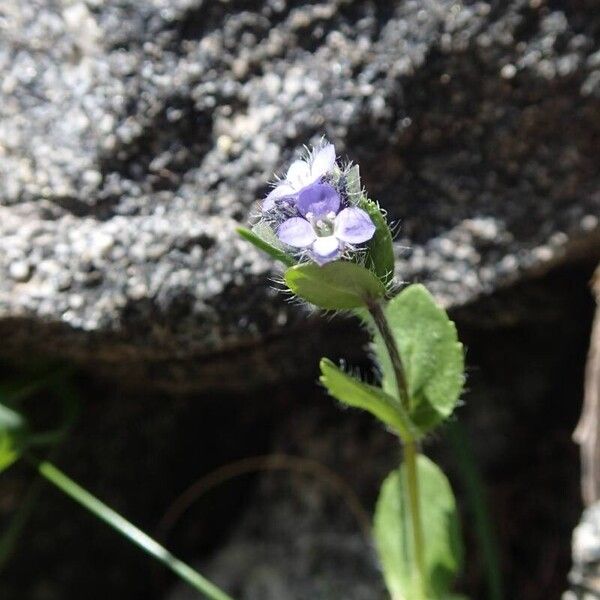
(135, 135)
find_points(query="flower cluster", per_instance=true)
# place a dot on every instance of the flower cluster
(311, 211)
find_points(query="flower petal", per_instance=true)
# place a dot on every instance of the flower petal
(296, 232)
(323, 162)
(298, 175)
(325, 249)
(319, 199)
(353, 225)
(281, 191)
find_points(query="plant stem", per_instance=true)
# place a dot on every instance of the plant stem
(412, 485)
(410, 453)
(125, 528)
(378, 314)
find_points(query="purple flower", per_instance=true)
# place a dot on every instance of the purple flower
(321, 227)
(301, 174)
(311, 209)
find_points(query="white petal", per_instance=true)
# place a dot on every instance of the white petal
(322, 162)
(296, 232)
(326, 246)
(298, 174)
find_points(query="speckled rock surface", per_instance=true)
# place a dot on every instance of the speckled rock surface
(135, 136)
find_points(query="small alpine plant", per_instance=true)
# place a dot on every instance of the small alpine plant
(336, 246)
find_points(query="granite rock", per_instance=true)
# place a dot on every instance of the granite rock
(136, 135)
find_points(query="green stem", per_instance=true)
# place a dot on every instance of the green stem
(378, 314)
(411, 452)
(412, 486)
(124, 527)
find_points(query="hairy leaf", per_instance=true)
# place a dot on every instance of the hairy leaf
(380, 253)
(355, 393)
(263, 237)
(353, 187)
(335, 286)
(441, 533)
(431, 355)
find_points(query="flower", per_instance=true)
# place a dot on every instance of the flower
(313, 211)
(302, 173)
(323, 227)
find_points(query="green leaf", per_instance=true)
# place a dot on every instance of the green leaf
(264, 238)
(12, 433)
(335, 286)
(431, 355)
(129, 530)
(441, 532)
(353, 187)
(380, 253)
(355, 393)
(265, 232)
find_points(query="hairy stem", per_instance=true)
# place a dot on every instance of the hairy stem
(125, 528)
(378, 314)
(410, 448)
